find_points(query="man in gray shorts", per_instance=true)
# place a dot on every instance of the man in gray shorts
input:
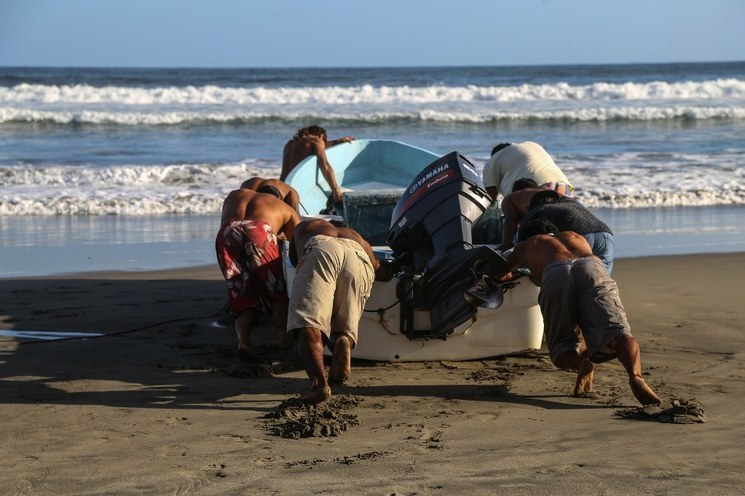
(335, 271)
(576, 290)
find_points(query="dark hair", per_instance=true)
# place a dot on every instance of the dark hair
(523, 183)
(270, 190)
(535, 226)
(313, 130)
(542, 197)
(499, 147)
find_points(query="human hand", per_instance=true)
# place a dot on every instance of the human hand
(386, 270)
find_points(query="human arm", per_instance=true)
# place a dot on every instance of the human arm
(326, 170)
(291, 221)
(345, 139)
(514, 260)
(386, 270)
(288, 162)
(511, 219)
(293, 200)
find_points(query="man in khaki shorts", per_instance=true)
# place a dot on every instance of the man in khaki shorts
(335, 272)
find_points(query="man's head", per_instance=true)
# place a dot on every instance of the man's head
(535, 226)
(523, 183)
(543, 197)
(499, 147)
(312, 130)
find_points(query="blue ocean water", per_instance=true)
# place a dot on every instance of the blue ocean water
(128, 154)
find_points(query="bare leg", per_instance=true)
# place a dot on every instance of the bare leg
(584, 367)
(585, 375)
(310, 349)
(582, 346)
(341, 361)
(243, 324)
(569, 361)
(279, 316)
(628, 354)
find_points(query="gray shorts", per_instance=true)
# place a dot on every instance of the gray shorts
(580, 292)
(331, 286)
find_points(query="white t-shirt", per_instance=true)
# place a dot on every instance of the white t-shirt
(526, 159)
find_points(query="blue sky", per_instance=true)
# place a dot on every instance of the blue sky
(353, 33)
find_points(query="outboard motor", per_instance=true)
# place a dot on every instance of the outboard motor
(431, 238)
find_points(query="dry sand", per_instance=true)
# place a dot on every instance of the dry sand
(160, 404)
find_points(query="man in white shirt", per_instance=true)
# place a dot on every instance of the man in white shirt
(510, 162)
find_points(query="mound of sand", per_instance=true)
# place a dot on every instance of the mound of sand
(674, 411)
(294, 420)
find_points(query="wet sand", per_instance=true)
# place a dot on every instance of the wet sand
(161, 405)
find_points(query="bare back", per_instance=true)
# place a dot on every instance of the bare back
(296, 151)
(286, 192)
(538, 252)
(514, 207)
(244, 204)
(309, 228)
(520, 200)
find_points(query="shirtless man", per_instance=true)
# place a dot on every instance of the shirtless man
(312, 140)
(275, 187)
(577, 290)
(335, 272)
(249, 257)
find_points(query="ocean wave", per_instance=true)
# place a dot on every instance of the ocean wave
(625, 180)
(130, 203)
(201, 176)
(213, 95)
(473, 116)
(165, 190)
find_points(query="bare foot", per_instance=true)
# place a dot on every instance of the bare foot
(642, 392)
(584, 378)
(316, 395)
(341, 362)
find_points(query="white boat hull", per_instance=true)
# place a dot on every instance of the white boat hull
(515, 326)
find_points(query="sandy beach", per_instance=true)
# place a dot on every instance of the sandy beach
(159, 403)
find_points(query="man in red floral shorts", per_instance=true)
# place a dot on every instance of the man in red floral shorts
(249, 256)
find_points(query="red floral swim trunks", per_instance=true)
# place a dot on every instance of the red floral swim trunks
(248, 255)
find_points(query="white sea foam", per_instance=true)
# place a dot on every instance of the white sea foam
(218, 95)
(476, 116)
(120, 190)
(132, 106)
(617, 181)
